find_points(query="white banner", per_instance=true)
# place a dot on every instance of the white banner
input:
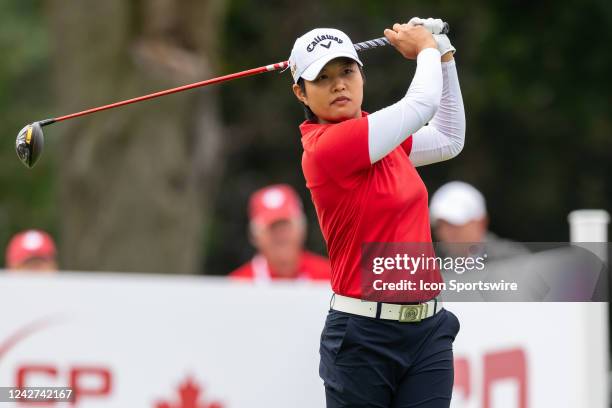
(136, 341)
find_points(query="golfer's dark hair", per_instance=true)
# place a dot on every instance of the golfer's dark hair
(308, 113)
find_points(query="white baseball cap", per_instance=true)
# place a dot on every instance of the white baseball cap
(458, 203)
(316, 48)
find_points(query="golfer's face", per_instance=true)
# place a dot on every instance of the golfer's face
(336, 93)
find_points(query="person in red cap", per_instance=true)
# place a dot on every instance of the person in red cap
(277, 230)
(31, 250)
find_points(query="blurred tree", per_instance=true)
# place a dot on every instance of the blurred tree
(135, 181)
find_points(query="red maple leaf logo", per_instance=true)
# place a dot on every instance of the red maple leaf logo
(189, 394)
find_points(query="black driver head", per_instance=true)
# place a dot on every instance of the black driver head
(29, 144)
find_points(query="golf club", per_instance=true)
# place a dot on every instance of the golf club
(30, 140)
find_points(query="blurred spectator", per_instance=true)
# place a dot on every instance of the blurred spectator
(459, 215)
(277, 230)
(31, 250)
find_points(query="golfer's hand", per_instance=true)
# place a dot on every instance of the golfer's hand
(433, 25)
(409, 40)
(436, 27)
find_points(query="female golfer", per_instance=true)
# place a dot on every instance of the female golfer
(360, 170)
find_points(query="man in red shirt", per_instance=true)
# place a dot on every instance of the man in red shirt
(277, 230)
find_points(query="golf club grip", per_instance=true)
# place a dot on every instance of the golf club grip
(382, 41)
(366, 45)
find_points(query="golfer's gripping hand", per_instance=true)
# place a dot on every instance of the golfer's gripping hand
(409, 40)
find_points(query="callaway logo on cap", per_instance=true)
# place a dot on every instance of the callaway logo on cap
(316, 48)
(322, 41)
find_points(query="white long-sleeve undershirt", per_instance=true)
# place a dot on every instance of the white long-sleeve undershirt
(444, 137)
(433, 96)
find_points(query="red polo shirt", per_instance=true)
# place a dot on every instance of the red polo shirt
(312, 267)
(358, 203)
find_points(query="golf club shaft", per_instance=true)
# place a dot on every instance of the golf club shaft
(366, 45)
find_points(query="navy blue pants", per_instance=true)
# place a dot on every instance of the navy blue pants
(367, 362)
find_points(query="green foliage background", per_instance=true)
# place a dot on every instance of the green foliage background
(534, 78)
(27, 198)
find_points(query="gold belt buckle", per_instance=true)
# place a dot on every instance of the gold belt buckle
(412, 313)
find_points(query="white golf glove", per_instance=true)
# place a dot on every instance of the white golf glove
(435, 26)
(444, 44)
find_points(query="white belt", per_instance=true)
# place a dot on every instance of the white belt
(388, 311)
